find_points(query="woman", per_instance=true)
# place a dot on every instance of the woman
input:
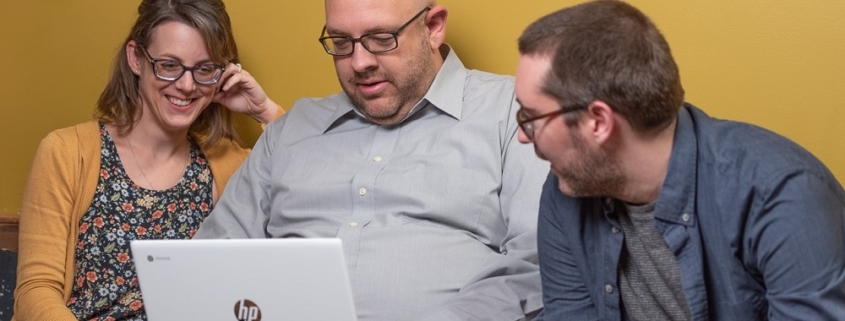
(151, 166)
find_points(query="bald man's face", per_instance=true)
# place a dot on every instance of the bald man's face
(383, 86)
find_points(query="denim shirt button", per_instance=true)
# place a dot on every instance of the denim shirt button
(685, 217)
(608, 288)
(614, 229)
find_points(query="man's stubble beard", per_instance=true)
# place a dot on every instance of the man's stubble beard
(594, 173)
(405, 93)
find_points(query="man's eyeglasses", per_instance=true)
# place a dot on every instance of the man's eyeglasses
(527, 124)
(171, 70)
(376, 42)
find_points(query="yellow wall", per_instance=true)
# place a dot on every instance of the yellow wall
(778, 64)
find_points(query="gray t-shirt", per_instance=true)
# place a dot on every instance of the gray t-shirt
(649, 278)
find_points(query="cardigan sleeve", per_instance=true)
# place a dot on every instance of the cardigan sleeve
(224, 160)
(45, 224)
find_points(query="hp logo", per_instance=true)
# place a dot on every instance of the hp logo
(246, 310)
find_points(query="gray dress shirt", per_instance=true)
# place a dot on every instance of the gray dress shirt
(437, 214)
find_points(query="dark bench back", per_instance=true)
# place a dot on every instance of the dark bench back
(9, 232)
(8, 264)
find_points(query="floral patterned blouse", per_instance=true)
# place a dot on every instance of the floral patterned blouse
(106, 286)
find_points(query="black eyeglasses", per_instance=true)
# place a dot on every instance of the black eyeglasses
(527, 124)
(376, 42)
(171, 70)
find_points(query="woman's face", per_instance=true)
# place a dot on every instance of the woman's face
(172, 105)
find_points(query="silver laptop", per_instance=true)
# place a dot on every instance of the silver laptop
(244, 280)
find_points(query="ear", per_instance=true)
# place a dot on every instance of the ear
(600, 122)
(132, 57)
(436, 24)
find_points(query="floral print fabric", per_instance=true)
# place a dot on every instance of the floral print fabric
(106, 285)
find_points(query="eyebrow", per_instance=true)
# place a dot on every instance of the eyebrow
(170, 56)
(527, 110)
(370, 30)
(521, 105)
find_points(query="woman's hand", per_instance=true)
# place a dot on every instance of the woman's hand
(241, 93)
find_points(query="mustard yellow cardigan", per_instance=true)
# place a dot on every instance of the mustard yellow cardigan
(60, 188)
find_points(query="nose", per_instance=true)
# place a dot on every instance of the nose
(186, 82)
(523, 137)
(363, 59)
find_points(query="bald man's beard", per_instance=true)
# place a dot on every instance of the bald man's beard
(409, 85)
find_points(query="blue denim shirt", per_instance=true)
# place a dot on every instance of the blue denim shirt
(756, 223)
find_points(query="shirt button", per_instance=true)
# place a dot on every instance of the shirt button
(377, 159)
(685, 217)
(608, 288)
(353, 224)
(362, 191)
(614, 229)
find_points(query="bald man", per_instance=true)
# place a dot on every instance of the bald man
(415, 166)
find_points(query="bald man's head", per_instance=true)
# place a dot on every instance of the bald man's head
(391, 52)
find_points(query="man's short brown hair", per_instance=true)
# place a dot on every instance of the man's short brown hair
(609, 51)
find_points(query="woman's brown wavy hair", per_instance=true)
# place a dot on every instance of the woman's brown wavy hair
(120, 101)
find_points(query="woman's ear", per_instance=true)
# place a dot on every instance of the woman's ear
(132, 57)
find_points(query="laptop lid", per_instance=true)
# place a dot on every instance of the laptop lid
(244, 279)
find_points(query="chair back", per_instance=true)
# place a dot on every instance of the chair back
(9, 232)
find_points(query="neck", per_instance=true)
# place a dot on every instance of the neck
(158, 142)
(154, 159)
(645, 161)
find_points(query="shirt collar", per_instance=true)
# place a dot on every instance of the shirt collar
(676, 202)
(446, 92)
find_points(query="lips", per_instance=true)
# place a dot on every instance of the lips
(372, 88)
(179, 102)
